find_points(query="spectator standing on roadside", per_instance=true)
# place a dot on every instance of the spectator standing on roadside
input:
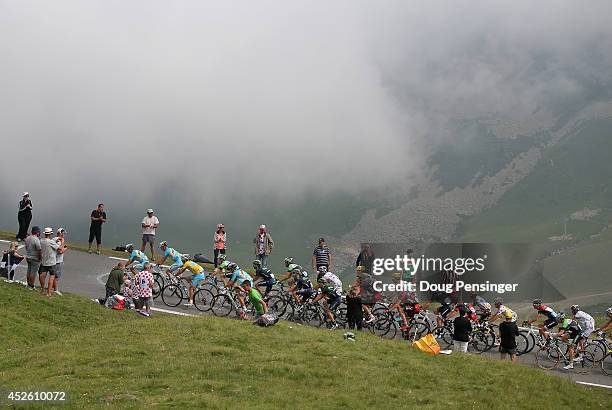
(354, 312)
(59, 258)
(144, 284)
(321, 256)
(149, 225)
(47, 266)
(98, 217)
(366, 258)
(461, 333)
(24, 216)
(508, 331)
(220, 238)
(33, 255)
(263, 245)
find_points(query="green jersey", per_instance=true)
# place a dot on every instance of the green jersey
(256, 300)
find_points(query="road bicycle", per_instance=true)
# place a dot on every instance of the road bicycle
(226, 301)
(554, 351)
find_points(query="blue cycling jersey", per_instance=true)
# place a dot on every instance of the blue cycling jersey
(138, 256)
(240, 276)
(173, 254)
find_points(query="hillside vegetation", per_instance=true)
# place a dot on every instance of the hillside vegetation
(118, 358)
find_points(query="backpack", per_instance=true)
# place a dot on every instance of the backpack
(267, 319)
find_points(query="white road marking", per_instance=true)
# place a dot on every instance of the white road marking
(173, 312)
(595, 384)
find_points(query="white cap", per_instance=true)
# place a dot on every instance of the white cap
(48, 231)
(26, 193)
(149, 211)
(61, 230)
(262, 226)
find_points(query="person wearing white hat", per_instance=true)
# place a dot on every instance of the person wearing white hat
(263, 245)
(49, 251)
(149, 225)
(24, 217)
(59, 258)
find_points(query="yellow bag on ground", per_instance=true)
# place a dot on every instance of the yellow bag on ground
(427, 344)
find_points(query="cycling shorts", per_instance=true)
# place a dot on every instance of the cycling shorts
(138, 266)
(444, 310)
(586, 333)
(550, 323)
(175, 267)
(305, 293)
(195, 279)
(334, 301)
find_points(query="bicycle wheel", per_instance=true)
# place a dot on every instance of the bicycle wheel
(222, 305)
(444, 336)
(522, 344)
(547, 357)
(341, 318)
(172, 295)
(312, 316)
(277, 305)
(596, 351)
(417, 330)
(158, 285)
(385, 327)
(531, 340)
(606, 364)
(479, 342)
(203, 300)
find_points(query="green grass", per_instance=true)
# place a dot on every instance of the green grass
(110, 358)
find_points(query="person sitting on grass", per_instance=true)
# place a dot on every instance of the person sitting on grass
(256, 299)
(197, 275)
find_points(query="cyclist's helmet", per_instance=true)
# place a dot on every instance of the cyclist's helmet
(162, 244)
(397, 275)
(498, 301)
(575, 308)
(231, 267)
(257, 264)
(609, 311)
(129, 247)
(537, 302)
(297, 271)
(288, 261)
(222, 257)
(323, 270)
(561, 316)
(321, 280)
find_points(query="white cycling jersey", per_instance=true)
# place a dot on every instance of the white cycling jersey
(585, 320)
(333, 280)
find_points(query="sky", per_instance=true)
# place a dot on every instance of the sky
(216, 105)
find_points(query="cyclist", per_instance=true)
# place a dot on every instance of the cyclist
(331, 289)
(400, 300)
(138, 258)
(302, 289)
(290, 268)
(266, 276)
(237, 277)
(446, 308)
(197, 275)
(173, 255)
(256, 299)
(551, 317)
(586, 322)
(501, 310)
(569, 332)
(608, 325)
(481, 307)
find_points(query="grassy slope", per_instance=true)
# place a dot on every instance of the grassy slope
(106, 357)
